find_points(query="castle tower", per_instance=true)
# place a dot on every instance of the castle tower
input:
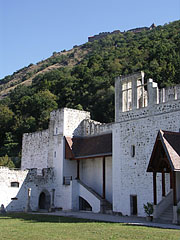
(132, 93)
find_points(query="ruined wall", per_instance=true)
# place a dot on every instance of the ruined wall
(8, 192)
(138, 97)
(91, 127)
(15, 198)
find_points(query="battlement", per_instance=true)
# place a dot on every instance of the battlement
(91, 127)
(131, 93)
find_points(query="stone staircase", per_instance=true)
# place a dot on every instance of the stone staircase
(106, 207)
(167, 215)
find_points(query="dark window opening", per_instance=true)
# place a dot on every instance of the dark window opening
(133, 204)
(132, 150)
(84, 205)
(14, 198)
(14, 184)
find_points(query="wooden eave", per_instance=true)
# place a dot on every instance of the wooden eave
(159, 163)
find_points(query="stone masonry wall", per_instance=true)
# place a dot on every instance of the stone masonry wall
(7, 193)
(73, 122)
(16, 198)
(139, 128)
(35, 147)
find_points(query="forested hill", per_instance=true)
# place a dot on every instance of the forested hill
(83, 78)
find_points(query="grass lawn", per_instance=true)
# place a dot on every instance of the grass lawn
(21, 226)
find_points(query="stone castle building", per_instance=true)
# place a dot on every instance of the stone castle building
(81, 164)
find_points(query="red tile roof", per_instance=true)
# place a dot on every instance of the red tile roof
(88, 147)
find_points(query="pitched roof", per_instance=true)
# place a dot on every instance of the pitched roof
(169, 142)
(88, 147)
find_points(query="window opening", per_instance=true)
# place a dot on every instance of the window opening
(132, 150)
(133, 204)
(15, 184)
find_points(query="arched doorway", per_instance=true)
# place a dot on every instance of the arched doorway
(44, 200)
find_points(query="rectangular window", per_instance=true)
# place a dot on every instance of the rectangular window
(133, 204)
(14, 184)
(127, 96)
(132, 150)
(14, 198)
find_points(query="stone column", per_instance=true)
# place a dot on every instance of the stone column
(118, 98)
(155, 213)
(28, 207)
(53, 194)
(163, 185)
(104, 178)
(134, 94)
(154, 188)
(171, 180)
(153, 93)
(52, 207)
(174, 199)
(78, 175)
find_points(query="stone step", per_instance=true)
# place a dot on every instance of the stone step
(106, 207)
(167, 214)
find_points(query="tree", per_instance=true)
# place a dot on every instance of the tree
(43, 103)
(6, 162)
(6, 118)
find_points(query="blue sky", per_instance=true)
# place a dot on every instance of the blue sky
(31, 30)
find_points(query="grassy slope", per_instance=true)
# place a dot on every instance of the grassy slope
(34, 70)
(25, 227)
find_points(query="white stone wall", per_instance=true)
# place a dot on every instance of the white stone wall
(91, 173)
(73, 122)
(35, 150)
(47, 149)
(91, 127)
(38, 149)
(26, 179)
(70, 168)
(125, 175)
(6, 191)
(139, 128)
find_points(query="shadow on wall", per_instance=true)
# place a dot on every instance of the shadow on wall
(34, 193)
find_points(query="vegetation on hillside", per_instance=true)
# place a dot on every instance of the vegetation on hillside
(89, 84)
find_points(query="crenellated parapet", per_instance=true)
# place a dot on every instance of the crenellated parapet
(91, 127)
(132, 94)
(40, 175)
